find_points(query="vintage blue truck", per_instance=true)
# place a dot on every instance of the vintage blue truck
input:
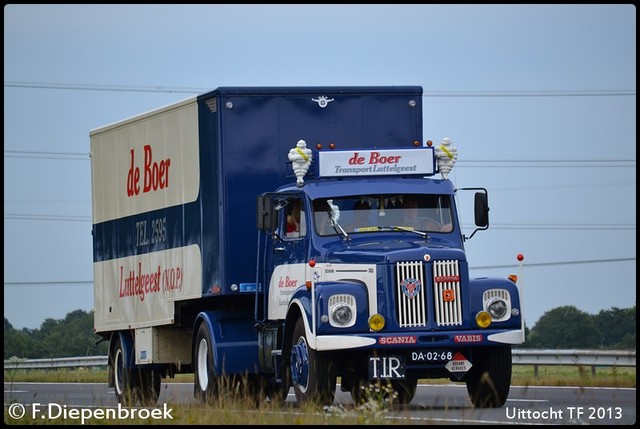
(285, 237)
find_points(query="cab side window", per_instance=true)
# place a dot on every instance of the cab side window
(295, 219)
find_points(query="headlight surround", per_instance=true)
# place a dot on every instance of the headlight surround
(497, 302)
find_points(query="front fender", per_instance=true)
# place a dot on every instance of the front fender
(327, 294)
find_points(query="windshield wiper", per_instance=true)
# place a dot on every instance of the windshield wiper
(404, 228)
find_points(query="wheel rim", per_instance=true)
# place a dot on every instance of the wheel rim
(300, 365)
(203, 374)
(118, 360)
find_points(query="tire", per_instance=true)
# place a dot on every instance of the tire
(206, 383)
(489, 379)
(124, 383)
(277, 392)
(313, 374)
(149, 386)
(406, 390)
(357, 389)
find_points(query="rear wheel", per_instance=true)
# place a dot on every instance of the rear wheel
(489, 379)
(313, 374)
(149, 386)
(206, 383)
(124, 382)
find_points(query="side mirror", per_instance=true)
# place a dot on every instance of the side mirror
(265, 214)
(481, 210)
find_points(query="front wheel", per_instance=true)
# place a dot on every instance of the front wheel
(489, 379)
(406, 390)
(364, 390)
(313, 373)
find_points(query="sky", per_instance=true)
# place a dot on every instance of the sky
(539, 100)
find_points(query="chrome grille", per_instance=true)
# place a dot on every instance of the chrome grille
(411, 294)
(446, 291)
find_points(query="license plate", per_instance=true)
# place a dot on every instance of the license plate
(434, 356)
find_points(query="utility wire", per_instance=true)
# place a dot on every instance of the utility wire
(504, 226)
(540, 264)
(160, 89)
(94, 87)
(548, 264)
(46, 155)
(484, 163)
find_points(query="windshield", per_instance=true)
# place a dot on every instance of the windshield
(372, 213)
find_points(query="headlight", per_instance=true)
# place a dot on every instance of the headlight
(497, 308)
(342, 310)
(341, 314)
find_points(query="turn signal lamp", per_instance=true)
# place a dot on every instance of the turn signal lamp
(483, 319)
(376, 322)
(513, 278)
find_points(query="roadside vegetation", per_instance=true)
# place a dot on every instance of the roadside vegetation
(238, 410)
(73, 336)
(523, 375)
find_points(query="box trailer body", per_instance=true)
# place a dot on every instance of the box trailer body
(194, 270)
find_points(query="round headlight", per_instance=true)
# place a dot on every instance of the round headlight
(341, 314)
(497, 308)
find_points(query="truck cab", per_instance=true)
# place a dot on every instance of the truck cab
(376, 266)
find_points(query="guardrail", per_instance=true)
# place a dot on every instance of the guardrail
(592, 358)
(54, 363)
(535, 357)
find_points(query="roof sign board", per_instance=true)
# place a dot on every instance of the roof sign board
(377, 162)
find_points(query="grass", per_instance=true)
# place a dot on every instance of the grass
(241, 411)
(523, 375)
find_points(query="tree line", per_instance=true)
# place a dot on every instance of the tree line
(560, 328)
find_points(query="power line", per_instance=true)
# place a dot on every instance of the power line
(160, 89)
(544, 93)
(504, 226)
(66, 218)
(95, 87)
(540, 264)
(484, 163)
(565, 227)
(46, 155)
(49, 283)
(548, 264)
